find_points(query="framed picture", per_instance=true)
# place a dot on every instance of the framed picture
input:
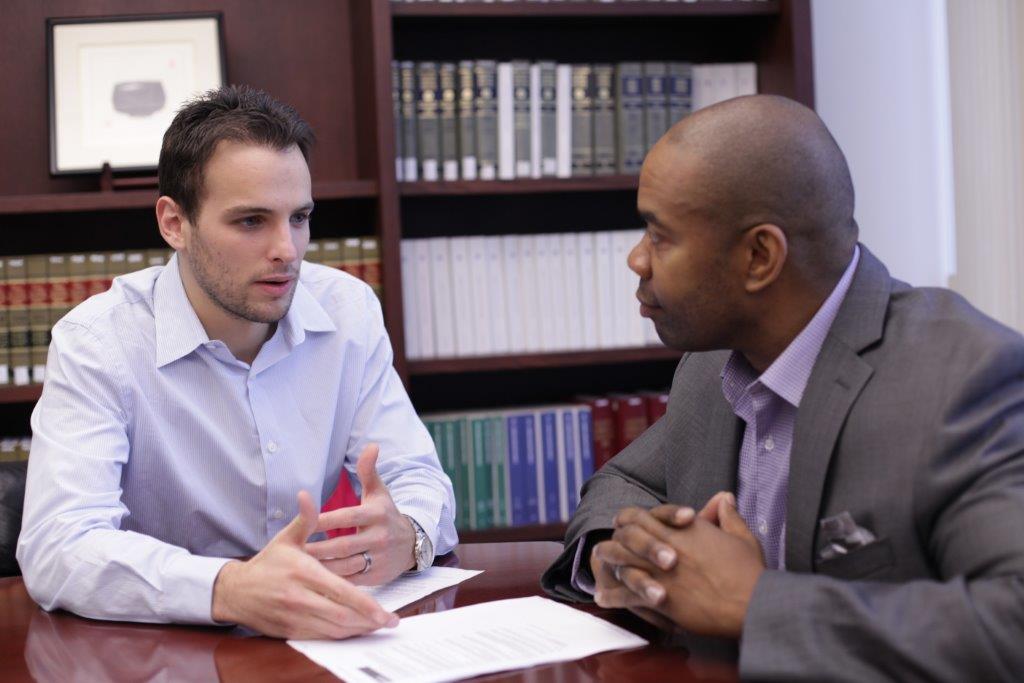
(116, 83)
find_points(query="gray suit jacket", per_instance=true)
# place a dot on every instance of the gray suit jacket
(913, 422)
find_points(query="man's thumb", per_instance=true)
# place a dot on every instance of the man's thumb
(729, 517)
(304, 524)
(366, 469)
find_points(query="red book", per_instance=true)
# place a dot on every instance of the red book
(603, 423)
(630, 412)
(656, 403)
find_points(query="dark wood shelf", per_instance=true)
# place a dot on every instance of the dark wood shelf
(540, 360)
(515, 534)
(28, 393)
(640, 8)
(145, 199)
(523, 186)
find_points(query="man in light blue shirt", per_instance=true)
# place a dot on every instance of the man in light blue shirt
(193, 410)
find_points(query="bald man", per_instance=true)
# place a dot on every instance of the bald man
(838, 485)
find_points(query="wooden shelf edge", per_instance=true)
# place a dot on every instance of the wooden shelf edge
(24, 394)
(523, 186)
(515, 534)
(540, 360)
(145, 199)
(475, 8)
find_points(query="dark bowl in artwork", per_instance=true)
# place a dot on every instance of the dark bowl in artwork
(139, 98)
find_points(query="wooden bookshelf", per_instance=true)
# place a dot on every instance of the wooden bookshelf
(536, 532)
(640, 8)
(349, 45)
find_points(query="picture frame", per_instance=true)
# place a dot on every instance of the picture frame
(115, 84)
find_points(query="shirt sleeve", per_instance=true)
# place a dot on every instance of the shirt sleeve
(408, 462)
(72, 552)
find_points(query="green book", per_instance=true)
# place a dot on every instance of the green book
(449, 123)
(497, 450)
(453, 448)
(467, 121)
(466, 480)
(428, 119)
(582, 121)
(482, 496)
(604, 119)
(485, 75)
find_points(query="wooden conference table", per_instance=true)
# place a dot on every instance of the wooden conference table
(41, 646)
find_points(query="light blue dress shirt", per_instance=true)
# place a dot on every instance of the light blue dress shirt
(156, 454)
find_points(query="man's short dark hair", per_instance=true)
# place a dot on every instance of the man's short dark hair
(234, 112)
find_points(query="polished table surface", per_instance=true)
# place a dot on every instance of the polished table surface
(43, 646)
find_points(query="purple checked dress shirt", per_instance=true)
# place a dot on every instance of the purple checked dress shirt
(768, 405)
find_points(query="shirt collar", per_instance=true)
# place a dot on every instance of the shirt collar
(179, 331)
(788, 374)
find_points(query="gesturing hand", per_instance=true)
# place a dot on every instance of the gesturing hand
(283, 592)
(383, 533)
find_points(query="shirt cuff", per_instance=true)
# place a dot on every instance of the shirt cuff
(580, 578)
(188, 588)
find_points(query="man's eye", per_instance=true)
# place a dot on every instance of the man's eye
(653, 237)
(300, 218)
(250, 221)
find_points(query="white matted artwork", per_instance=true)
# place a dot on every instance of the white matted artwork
(116, 84)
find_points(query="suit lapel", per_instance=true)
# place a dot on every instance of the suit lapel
(837, 379)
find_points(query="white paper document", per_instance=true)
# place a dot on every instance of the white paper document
(469, 641)
(408, 589)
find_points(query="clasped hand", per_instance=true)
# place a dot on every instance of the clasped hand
(295, 589)
(674, 566)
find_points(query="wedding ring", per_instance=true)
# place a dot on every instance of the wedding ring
(369, 562)
(615, 573)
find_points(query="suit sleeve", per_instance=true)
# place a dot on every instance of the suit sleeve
(634, 477)
(965, 624)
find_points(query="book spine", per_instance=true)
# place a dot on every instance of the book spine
(703, 85)
(18, 318)
(548, 119)
(428, 125)
(521, 119)
(38, 315)
(424, 299)
(453, 445)
(441, 285)
(314, 254)
(480, 297)
(656, 405)
(494, 278)
(506, 122)
(629, 326)
(396, 115)
(332, 254)
(410, 145)
(549, 421)
(513, 311)
(604, 119)
(97, 270)
(604, 280)
(410, 312)
(482, 475)
(462, 301)
(369, 264)
(352, 257)
(630, 418)
(535, 131)
(529, 294)
(571, 289)
(586, 450)
(630, 111)
(655, 103)
(467, 120)
(582, 120)
(746, 78)
(588, 290)
(563, 120)
(571, 462)
(78, 277)
(557, 303)
(680, 91)
(534, 472)
(543, 308)
(449, 122)
(517, 468)
(498, 461)
(485, 73)
(602, 421)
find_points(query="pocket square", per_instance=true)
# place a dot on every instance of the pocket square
(840, 534)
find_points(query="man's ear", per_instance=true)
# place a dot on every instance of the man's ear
(766, 248)
(171, 220)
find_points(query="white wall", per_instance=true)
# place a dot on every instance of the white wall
(881, 81)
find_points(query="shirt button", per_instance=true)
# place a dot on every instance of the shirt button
(278, 513)
(272, 446)
(762, 528)
(769, 444)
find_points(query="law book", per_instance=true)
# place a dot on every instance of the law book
(454, 445)
(548, 482)
(565, 439)
(582, 120)
(136, 261)
(655, 103)
(607, 336)
(485, 74)
(480, 297)
(396, 115)
(78, 275)
(369, 264)
(410, 144)
(462, 296)
(548, 118)
(332, 253)
(723, 82)
(497, 452)
(441, 286)
(5, 327)
(590, 335)
(314, 254)
(604, 120)
(18, 320)
(449, 122)
(529, 294)
(410, 312)
(533, 478)
(656, 405)
(703, 86)
(60, 290)
(679, 84)
(494, 283)
(630, 117)
(513, 311)
(506, 122)
(423, 299)
(467, 120)
(629, 330)
(38, 314)
(630, 413)
(428, 122)
(585, 439)
(117, 265)
(535, 131)
(557, 300)
(521, 119)
(97, 269)
(483, 476)
(515, 424)
(570, 284)
(602, 424)
(745, 78)
(437, 427)
(543, 310)
(352, 256)
(563, 120)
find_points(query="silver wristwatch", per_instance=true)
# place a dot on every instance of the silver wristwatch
(423, 549)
